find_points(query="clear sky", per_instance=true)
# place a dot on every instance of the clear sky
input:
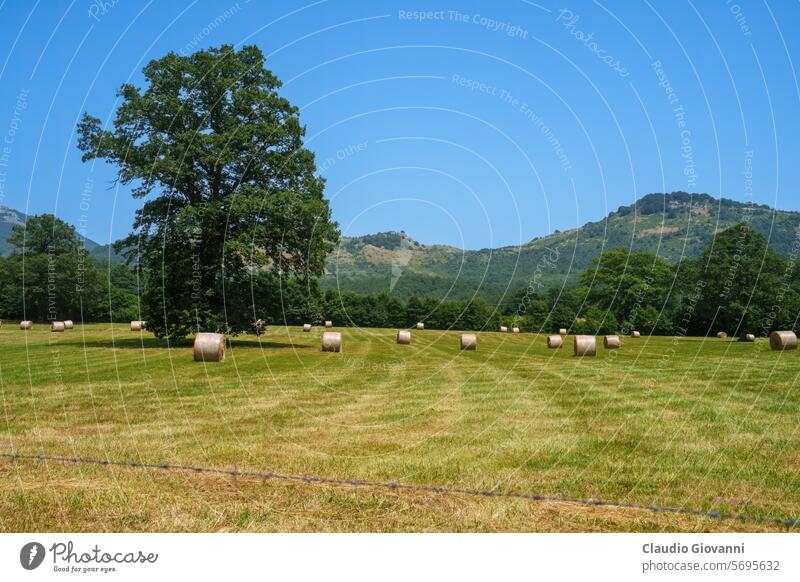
(467, 123)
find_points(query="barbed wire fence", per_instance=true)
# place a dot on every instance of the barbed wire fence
(395, 486)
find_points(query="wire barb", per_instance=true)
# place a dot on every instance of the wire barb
(394, 486)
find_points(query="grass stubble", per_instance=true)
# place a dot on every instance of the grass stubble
(706, 424)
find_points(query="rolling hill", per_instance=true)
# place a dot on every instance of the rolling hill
(671, 225)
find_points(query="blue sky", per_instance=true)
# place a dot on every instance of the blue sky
(473, 124)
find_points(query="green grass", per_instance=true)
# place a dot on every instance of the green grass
(707, 424)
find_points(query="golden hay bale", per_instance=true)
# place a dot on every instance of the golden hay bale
(636, 334)
(555, 341)
(328, 324)
(747, 337)
(404, 337)
(331, 341)
(27, 324)
(209, 347)
(611, 342)
(514, 330)
(562, 332)
(68, 324)
(420, 325)
(137, 325)
(306, 327)
(503, 328)
(57, 326)
(783, 340)
(469, 341)
(585, 345)
(722, 335)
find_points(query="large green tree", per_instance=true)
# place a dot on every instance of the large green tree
(228, 187)
(634, 287)
(50, 275)
(740, 285)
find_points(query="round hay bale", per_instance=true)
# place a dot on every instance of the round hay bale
(636, 334)
(503, 328)
(209, 347)
(57, 326)
(331, 341)
(404, 337)
(469, 341)
(514, 330)
(555, 341)
(420, 325)
(562, 332)
(611, 342)
(137, 325)
(26, 324)
(329, 324)
(68, 324)
(306, 327)
(783, 340)
(722, 335)
(747, 337)
(585, 345)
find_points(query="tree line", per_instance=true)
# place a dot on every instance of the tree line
(738, 285)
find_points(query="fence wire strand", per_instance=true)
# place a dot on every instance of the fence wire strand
(395, 486)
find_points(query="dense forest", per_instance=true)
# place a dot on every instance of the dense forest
(738, 284)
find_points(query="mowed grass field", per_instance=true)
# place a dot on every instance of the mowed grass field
(706, 424)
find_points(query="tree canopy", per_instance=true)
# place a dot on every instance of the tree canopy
(228, 187)
(50, 276)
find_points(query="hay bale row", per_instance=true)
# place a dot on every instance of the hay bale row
(783, 340)
(27, 324)
(331, 341)
(209, 347)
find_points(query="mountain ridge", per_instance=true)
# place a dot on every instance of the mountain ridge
(673, 226)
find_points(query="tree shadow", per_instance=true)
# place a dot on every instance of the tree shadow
(135, 343)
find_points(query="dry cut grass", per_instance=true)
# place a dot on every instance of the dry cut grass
(706, 424)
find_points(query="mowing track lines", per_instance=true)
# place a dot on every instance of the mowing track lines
(394, 486)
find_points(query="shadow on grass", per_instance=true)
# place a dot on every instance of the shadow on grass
(135, 343)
